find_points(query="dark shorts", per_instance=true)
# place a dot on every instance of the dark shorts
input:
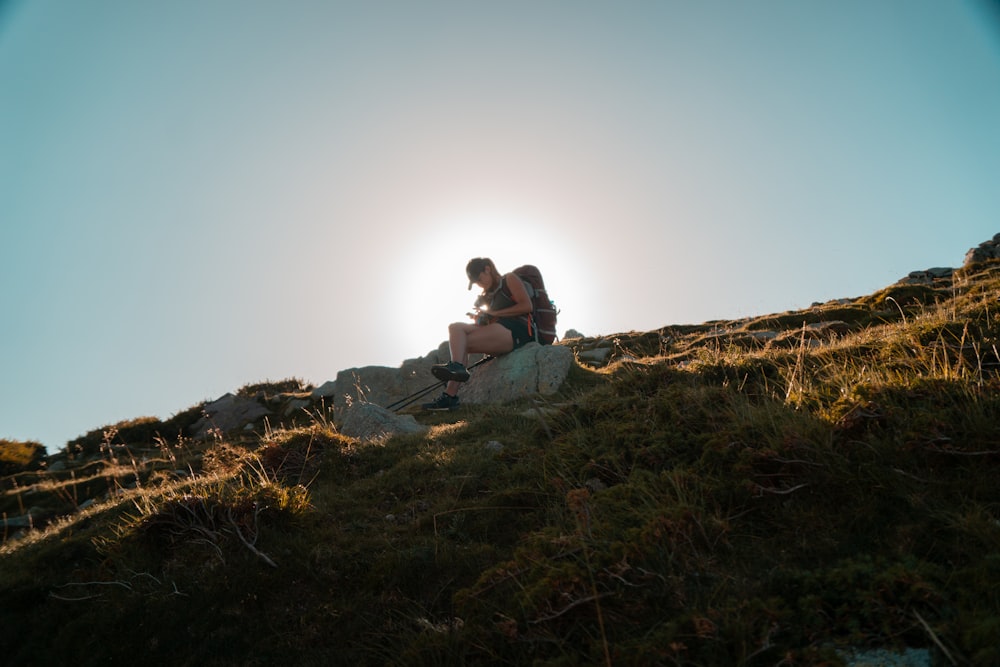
(518, 328)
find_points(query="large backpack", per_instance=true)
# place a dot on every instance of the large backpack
(543, 315)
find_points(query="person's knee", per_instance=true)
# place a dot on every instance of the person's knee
(456, 327)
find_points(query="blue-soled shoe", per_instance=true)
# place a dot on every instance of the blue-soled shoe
(442, 403)
(451, 371)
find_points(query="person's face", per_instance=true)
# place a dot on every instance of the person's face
(484, 279)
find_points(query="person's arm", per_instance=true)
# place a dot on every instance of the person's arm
(519, 295)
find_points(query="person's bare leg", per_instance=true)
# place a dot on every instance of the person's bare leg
(465, 338)
(458, 334)
(491, 339)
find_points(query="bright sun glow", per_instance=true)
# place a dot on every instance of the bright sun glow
(432, 274)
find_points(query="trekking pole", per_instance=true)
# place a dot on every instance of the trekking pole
(407, 400)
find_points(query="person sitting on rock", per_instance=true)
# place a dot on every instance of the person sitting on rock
(500, 327)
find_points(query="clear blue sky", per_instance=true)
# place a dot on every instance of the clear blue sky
(196, 195)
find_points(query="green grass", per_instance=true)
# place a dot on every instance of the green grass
(16, 455)
(707, 498)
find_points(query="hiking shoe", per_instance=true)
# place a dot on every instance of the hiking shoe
(451, 371)
(443, 402)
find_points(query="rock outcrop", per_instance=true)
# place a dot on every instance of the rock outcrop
(356, 400)
(228, 413)
(367, 421)
(532, 369)
(928, 276)
(380, 385)
(985, 251)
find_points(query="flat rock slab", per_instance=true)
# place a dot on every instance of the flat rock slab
(367, 421)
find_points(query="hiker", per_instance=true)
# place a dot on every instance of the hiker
(500, 326)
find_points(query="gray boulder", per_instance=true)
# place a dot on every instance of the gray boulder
(367, 421)
(228, 413)
(532, 369)
(928, 276)
(381, 385)
(596, 356)
(986, 251)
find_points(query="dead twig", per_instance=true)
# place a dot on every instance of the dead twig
(250, 545)
(934, 637)
(779, 492)
(955, 452)
(571, 605)
(81, 598)
(68, 599)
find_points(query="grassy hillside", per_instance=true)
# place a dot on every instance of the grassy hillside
(760, 492)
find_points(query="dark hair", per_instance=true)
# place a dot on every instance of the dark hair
(476, 266)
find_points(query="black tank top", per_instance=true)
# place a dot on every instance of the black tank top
(503, 299)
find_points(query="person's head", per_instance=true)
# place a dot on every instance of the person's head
(481, 271)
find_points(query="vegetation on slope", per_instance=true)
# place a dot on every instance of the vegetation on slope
(739, 493)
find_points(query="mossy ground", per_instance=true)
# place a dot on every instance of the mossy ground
(699, 501)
